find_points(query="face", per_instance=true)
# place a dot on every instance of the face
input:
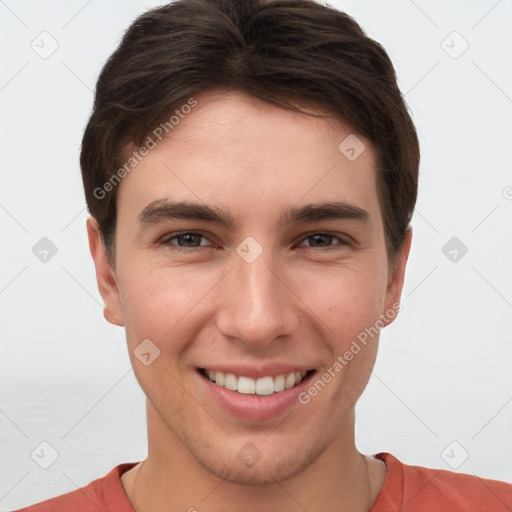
(279, 269)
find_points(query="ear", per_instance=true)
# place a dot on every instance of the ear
(105, 275)
(396, 280)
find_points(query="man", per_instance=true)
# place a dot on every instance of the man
(251, 171)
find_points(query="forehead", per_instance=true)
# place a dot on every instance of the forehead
(239, 152)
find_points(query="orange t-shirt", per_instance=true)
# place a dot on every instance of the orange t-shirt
(406, 489)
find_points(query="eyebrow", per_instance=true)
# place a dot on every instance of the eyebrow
(164, 209)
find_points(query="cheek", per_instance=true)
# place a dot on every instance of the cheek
(164, 303)
(160, 305)
(346, 299)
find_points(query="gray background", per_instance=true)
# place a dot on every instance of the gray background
(442, 385)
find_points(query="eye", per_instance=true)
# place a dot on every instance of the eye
(187, 239)
(324, 240)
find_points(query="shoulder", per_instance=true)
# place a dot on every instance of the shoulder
(423, 489)
(105, 494)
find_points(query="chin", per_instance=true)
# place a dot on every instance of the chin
(270, 468)
(262, 473)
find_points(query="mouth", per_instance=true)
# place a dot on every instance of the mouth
(263, 386)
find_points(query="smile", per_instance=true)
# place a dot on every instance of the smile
(265, 386)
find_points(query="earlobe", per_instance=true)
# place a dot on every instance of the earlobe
(396, 281)
(105, 275)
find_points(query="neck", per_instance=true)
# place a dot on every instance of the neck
(340, 479)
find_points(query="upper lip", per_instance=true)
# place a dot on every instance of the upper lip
(258, 371)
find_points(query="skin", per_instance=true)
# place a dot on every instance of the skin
(295, 303)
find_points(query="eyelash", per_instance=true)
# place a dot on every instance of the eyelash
(167, 240)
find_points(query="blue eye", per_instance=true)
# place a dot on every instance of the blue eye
(189, 239)
(328, 237)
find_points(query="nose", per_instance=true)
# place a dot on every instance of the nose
(258, 303)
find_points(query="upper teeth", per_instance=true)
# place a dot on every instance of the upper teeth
(264, 386)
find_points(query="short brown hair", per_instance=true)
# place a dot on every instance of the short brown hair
(272, 49)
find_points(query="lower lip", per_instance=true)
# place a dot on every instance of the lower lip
(252, 406)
